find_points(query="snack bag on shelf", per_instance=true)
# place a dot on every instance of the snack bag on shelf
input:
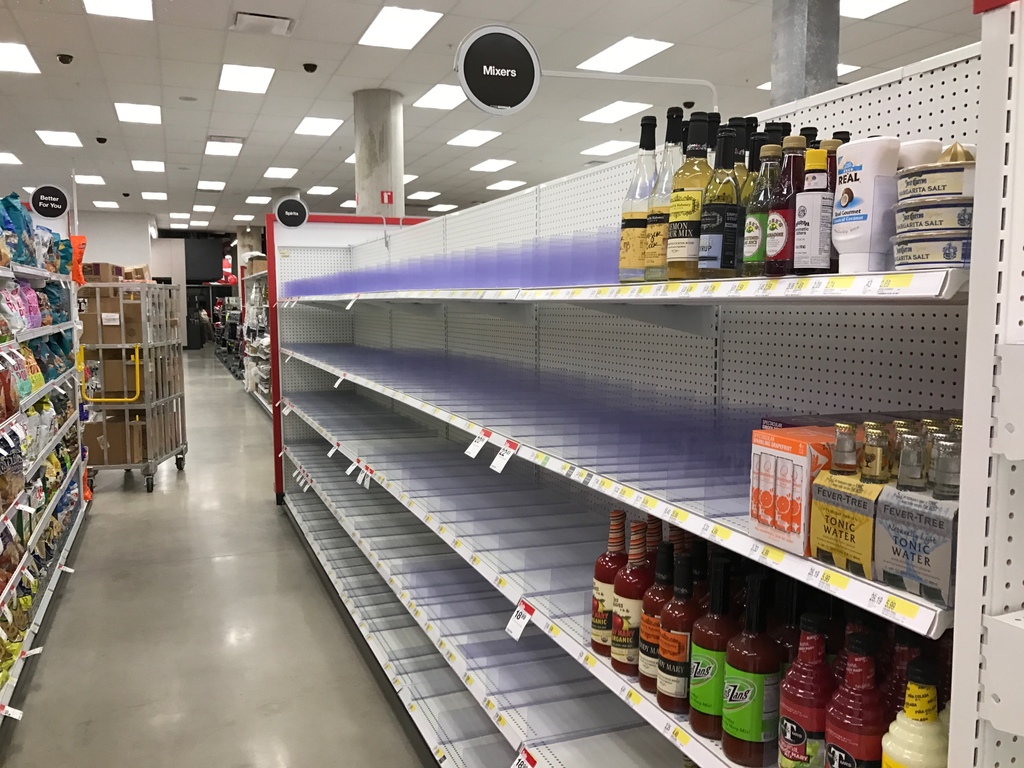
(60, 302)
(65, 255)
(12, 475)
(46, 248)
(52, 476)
(44, 359)
(78, 243)
(9, 401)
(60, 361)
(35, 375)
(19, 242)
(30, 303)
(5, 253)
(11, 307)
(32, 438)
(45, 312)
(66, 343)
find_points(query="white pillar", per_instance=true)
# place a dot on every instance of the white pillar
(805, 48)
(380, 152)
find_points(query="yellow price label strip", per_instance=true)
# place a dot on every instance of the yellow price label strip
(839, 283)
(901, 607)
(633, 697)
(469, 679)
(896, 281)
(721, 533)
(680, 735)
(502, 722)
(589, 660)
(554, 630)
(648, 502)
(773, 554)
(502, 582)
(835, 580)
(604, 483)
(489, 704)
(680, 514)
(458, 543)
(474, 560)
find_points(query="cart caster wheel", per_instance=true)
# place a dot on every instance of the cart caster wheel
(127, 471)
(180, 462)
(149, 485)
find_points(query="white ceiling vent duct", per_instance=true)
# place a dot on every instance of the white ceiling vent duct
(262, 24)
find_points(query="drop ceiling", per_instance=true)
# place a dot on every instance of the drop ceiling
(175, 62)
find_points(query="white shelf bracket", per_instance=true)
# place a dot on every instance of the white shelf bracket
(1008, 408)
(1002, 698)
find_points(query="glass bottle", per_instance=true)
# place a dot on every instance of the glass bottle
(677, 619)
(843, 137)
(810, 134)
(755, 230)
(911, 475)
(709, 641)
(804, 697)
(752, 123)
(947, 470)
(701, 582)
(688, 186)
(627, 605)
(655, 265)
(906, 648)
(831, 146)
(901, 430)
(856, 623)
(844, 455)
(739, 148)
(774, 131)
(779, 250)
(655, 598)
(755, 143)
(753, 660)
(606, 569)
(874, 464)
(714, 125)
(855, 721)
(918, 738)
(812, 246)
(789, 600)
(654, 534)
(719, 222)
(633, 240)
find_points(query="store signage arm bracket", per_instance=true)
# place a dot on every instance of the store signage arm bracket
(638, 79)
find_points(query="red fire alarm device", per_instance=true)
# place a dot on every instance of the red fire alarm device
(387, 197)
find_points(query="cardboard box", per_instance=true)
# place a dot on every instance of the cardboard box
(103, 321)
(123, 446)
(257, 264)
(138, 274)
(784, 463)
(843, 522)
(915, 543)
(102, 272)
(776, 421)
(115, 373)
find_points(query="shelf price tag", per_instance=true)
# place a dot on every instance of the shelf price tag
(352, 468)
(766, 554)
(895, 608)
(17, 714)
(681, 737)
(630, 696)
(520, 618)
(507, 452)
(33, 652)
(525, 760)
(475, 447)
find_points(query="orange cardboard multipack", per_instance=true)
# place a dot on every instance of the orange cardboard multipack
(784, 463)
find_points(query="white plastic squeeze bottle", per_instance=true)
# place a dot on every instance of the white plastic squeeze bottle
(917, 738)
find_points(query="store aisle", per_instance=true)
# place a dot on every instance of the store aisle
(195, 630)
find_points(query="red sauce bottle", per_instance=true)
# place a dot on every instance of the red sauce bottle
(654, 534)
(701, 585)
(856, 623)
(855, 721)
(677, 618)
(894, 690)
(836, 639)
(805, 695)
(627, 606)
(655, 599)
(709, 641)
(789, 603)
(677, 537)
(750, 717)
(782, 214)
(606, 569)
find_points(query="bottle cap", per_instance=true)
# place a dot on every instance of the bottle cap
(648, 124)
(771, 150)
(787, 128)
(794, 142)
(830, 145)
(816, 160)
(663, 565)
(814, 623)
(842, 136)
(861, 644)
(699, 553)
(752, 123)
(923, 672)
(684, 573)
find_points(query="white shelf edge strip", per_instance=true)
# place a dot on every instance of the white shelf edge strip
(46, 330)
(907, 610)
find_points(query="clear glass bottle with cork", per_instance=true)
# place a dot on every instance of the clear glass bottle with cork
(633, 237)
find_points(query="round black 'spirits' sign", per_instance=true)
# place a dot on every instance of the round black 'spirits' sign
(49, 201)
(499, 69)
(292, 212)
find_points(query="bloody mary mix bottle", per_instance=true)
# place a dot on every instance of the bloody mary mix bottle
(855, 721)
(788, 633)
(750, 698)
(805, 695)
(677, 618)
(894, 690)
(627, 606)
(654, 533)
(701, 585)
(605, 570)
(856, 623)
(708, 643)
(650, 622)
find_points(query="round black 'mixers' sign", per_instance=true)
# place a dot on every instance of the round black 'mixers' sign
(292, 212)
(499, 69)
(49, 201)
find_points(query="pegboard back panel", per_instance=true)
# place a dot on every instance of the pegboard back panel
(938, 98)
(587, 344)
(479, 335)
(509, 220)
(372, 326)
(423, 239)
(303, 323)
(298, 262)
(855, 358)
(588, 201)
(373, 253)
(416, 330)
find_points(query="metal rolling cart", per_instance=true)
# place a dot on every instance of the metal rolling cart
(133, 381)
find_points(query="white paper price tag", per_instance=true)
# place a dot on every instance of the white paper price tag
(525, 760)
(8, 616)
(362, 476)
(474, 448)
(507, 452)
(349, 306)
(28, 575)
(287, 410)
(366, 481)
(520, 618)
(10, 526)
(334, 450)
(64, 568)
(7, 437)
(352, 469)
(18, 430)
(6, 711)
(33, 652)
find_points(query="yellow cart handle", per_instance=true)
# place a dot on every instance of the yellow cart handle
(138, 386)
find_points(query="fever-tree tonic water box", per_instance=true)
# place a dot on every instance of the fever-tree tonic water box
(843, 522)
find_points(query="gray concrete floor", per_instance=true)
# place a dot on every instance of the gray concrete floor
(194, 631)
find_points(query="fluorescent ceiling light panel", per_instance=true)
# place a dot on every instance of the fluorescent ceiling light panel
(505, 186)
(863, 9)
(256, 200)
(223, 148)
(400, 28)
(610, 148)
(59, 138)
(351, 159)
(181, 216)
(204, 208)
(349, 204)
(626, 53)
(148, 166)
(474, 138)
(179, 226)
(105, 204)
(140, 10)
(149, 114)
(409, 177)
(15, 57)
(318, 126)
(95, 181)
(441, 97)
(280, 173)
(765, 86)
(423, 195)
(8, 158)
(321, 190)
(154, 195)
(211, 186)
(199, 223)
(242, 79)
(842, 69)
(443, 208)
(244, 217)
(490, 166)
(617, 110)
